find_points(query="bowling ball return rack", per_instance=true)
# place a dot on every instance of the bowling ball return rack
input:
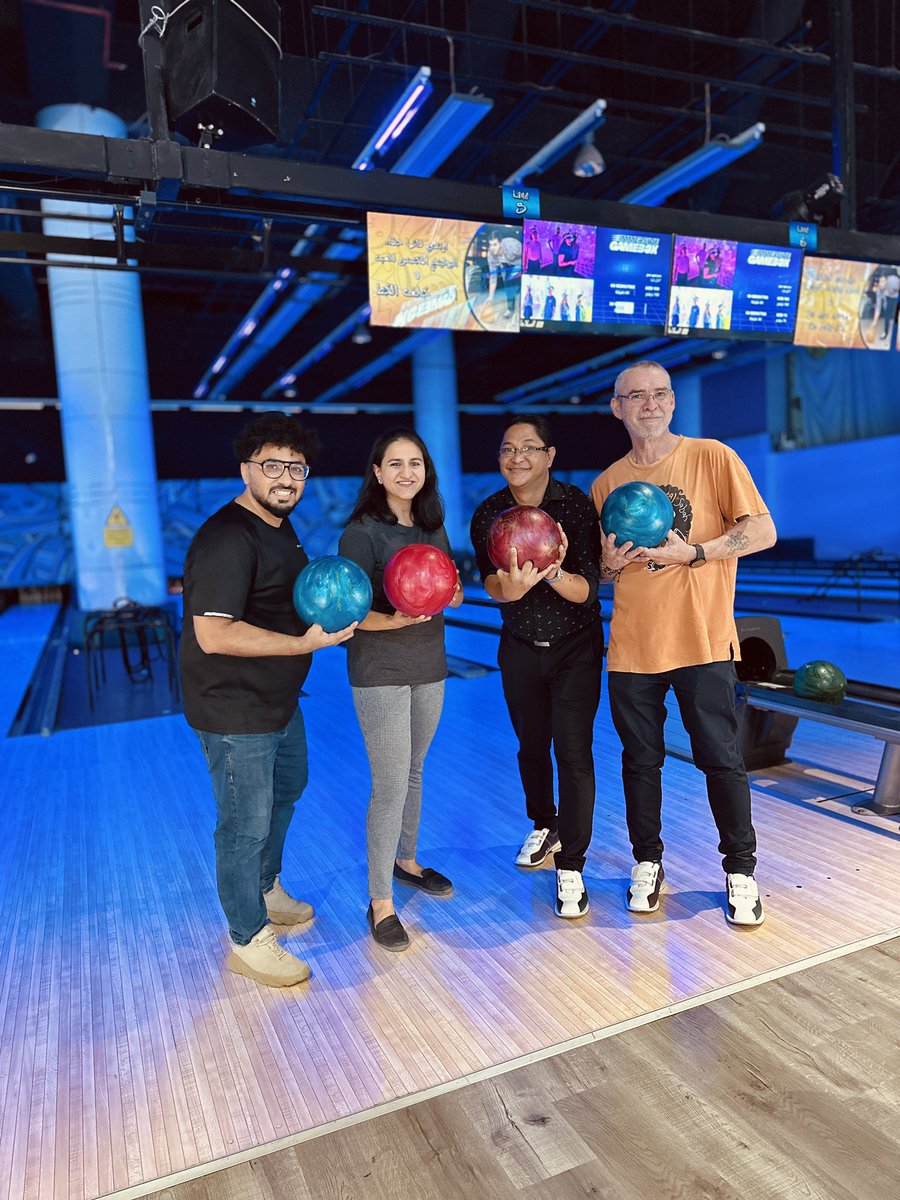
(868, 708)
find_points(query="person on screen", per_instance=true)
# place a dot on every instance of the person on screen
(532, 252)
(564, 314)
(528, 305)
(890, 303)
(720, 317)
(567, 258)
(549, 304)
(707, 316)
(504, 260)
(711, 266)
(676, 313)
(694, 316)
(554, 242)
(579, 307)
(682, 264)
(673, 628)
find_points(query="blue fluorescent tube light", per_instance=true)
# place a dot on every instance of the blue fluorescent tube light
(576, 131)
(450, 125)
(414, 96)
(702, 163)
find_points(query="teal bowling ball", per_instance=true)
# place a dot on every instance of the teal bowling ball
(640, 513)
(333, 592)
(822, 681)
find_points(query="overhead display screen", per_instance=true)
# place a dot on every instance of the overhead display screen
(726, 289)
(434, 272)
(585, 279)
(848, 305)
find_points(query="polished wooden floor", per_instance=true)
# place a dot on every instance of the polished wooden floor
(130, 1056)
(787, 1090)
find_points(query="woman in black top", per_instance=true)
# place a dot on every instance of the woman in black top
(397, 670)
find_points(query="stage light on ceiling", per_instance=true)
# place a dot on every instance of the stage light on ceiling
(821, 202)
(702, 163)
(576, 131)
(589, 162)
(402, 112)
(361, 335)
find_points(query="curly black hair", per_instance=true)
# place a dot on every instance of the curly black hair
(276, 429)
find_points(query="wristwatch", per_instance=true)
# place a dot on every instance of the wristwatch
(699, 557)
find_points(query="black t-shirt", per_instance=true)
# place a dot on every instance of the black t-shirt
(241, 567)
(542, 614)
(384, 657)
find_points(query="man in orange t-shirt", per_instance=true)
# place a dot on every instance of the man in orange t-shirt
(673, 627)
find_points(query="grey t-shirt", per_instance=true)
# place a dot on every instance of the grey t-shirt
(414, 654)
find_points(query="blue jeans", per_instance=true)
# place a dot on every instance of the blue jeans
(257, 778)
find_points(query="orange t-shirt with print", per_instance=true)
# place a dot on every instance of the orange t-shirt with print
(665, 617)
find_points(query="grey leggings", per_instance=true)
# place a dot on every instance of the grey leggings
(397, 724)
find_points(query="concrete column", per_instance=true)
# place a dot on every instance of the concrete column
(436, 411)
(688, 417)
(101, 369)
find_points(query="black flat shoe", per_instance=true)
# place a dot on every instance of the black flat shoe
(388, 933)
(432, 882)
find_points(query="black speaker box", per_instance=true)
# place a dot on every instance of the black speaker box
(221, 69)
(764, 736)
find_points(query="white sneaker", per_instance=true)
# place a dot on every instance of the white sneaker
(266, 960)
(536, 847)
(646, 884)
(283, 909)
(571, 894)
(744, 905)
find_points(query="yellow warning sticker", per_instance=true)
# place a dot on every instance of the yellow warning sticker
(117, 531)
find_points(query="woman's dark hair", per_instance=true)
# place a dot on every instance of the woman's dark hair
(539, 423)
(427, 505)
(276, 429)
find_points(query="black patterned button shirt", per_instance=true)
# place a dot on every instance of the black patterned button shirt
(542, 615)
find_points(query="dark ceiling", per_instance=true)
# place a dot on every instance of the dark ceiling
(671, 74)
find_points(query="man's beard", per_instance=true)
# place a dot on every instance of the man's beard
(282, 508)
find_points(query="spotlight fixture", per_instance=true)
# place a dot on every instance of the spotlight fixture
(589, 162)
(821, 202)
(361, 335)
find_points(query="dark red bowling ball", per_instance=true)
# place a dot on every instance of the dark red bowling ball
(419, 580)
(533, 533)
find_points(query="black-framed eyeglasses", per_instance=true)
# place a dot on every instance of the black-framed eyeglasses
(511, 451)
(659, 395)
(274, 468)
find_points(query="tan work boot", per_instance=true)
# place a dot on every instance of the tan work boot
(283, 909)
(266, 960)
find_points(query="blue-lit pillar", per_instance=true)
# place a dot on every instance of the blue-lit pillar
(688, 417)
(437, 422)
(101, 370)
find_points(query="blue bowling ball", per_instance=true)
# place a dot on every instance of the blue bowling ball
(332, 592)
(637, 512)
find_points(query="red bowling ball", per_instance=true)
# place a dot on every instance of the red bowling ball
(420, 580)
(533, 533)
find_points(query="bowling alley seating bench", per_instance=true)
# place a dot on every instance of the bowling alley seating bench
(880, 721)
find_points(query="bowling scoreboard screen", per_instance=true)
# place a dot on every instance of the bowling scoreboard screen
(726, 289)
(847, 305)
(589, 279)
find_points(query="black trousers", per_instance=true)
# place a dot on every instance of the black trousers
(705, 696)
(552, 693)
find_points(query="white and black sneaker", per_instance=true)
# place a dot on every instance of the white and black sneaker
(536, 847)
(571, 894)
(744, 906)
(646, 884)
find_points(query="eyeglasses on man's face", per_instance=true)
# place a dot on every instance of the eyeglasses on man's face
(274, 468)
(658, 395)
(507, 452)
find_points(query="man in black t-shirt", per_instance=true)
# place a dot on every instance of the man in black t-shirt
(244, 656)
(551, 655)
